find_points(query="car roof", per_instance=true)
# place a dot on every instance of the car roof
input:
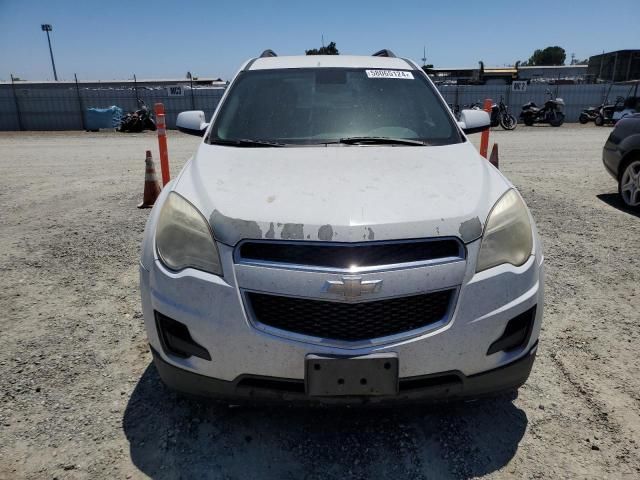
(329, 61)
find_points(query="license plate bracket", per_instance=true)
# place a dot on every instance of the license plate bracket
(375, 374)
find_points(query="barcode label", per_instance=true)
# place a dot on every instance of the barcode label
(399, 74)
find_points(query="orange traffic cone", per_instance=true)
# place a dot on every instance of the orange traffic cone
(493, 158)
(151, 185)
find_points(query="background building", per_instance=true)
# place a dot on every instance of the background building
(561, 74)
(618, 66)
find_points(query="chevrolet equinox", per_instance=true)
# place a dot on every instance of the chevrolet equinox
(336, 238)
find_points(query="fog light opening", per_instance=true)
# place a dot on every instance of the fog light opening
(516, 334)
(176, 339)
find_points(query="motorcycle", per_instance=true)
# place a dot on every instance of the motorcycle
(589, 114)
(499, 113)
(500, 116)
(550, 113)
(138, 121)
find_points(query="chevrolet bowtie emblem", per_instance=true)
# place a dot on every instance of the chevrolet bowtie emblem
(352, 286)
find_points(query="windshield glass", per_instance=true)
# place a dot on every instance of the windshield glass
(327, 105)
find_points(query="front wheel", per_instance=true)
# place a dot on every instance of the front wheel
(583, 118)
(629, 185)
(528, 120)
(556, 119)
(508, 121)
(599, 120)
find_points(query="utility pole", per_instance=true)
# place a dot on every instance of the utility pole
(47, 28)
(135, 87)
(601, 63)
(424, 56)
(193, 103)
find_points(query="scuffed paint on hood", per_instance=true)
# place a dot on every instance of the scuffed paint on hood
(342, 194)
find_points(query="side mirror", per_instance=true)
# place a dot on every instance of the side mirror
(192, 122)
(474, 121)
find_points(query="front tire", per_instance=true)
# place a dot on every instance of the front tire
(629, 185)
(599, 120)
(508, 122)
(528, 120)
(583, 118)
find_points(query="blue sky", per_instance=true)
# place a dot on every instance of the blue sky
(113, 39)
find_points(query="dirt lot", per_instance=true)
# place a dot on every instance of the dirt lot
(80, 398)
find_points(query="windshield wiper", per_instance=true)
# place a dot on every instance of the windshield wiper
(246, 142)
(379, 141)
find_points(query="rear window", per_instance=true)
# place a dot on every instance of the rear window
(324, 105)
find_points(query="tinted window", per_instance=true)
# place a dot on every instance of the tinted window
(314, 106)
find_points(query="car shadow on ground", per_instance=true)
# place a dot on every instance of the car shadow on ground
(614, 200)
(171, 436)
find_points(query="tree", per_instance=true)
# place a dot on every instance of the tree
(549, 56)
(328, 50)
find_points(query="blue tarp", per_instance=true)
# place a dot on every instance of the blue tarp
(96, 118)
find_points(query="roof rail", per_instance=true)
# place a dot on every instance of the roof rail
(268, 53)
(384, 53)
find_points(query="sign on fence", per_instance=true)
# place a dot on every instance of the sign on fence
(519, 86)
(175, 91)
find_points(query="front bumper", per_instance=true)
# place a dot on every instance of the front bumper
(443, 386)
(212, 307)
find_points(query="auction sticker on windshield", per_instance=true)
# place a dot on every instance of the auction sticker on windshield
(400, 74)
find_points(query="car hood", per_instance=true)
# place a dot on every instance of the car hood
(342, 193)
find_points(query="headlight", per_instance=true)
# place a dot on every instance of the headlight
(183, 237)
(507, 235)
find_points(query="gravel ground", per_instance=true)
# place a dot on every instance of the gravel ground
(80, 398)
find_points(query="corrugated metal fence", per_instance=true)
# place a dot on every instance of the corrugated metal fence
(576, 97)
(49, 107)
(61, 106)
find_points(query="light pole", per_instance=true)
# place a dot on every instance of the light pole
(47, 28)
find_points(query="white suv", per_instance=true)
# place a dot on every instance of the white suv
(336, 238)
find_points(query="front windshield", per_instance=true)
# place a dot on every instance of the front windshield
(327, 105)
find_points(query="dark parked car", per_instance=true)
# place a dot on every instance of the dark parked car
(621, 157)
